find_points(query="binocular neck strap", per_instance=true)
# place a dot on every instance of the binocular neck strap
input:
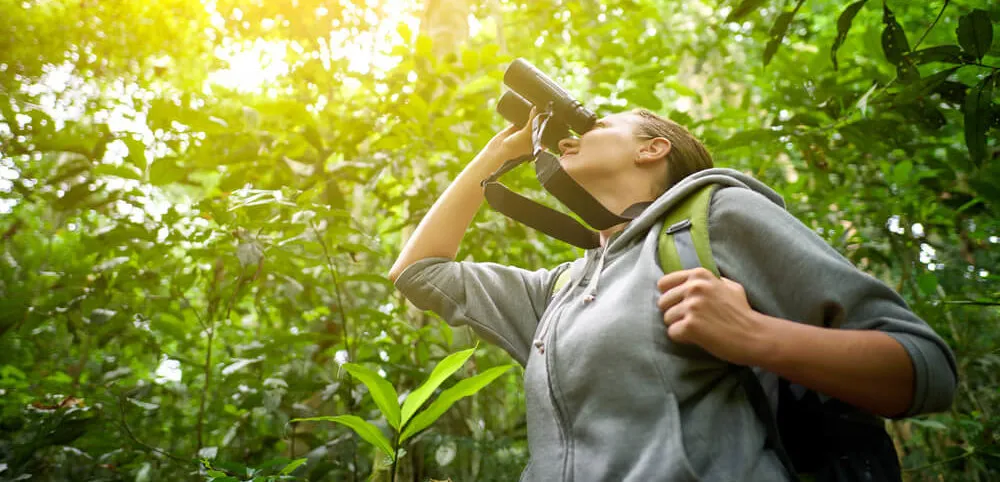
(540, 217)
(557, 182)
(571, 194)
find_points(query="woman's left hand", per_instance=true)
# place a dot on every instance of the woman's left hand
(713, 313)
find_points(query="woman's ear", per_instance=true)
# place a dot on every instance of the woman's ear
(655, 149)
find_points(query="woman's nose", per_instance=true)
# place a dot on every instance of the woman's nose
(567, 144)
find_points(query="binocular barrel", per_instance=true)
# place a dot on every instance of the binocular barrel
(534, 87)
(516, 109)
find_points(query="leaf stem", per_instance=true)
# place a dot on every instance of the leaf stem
(395, 457)
(931, 26)
(336, 291)
(128, 432)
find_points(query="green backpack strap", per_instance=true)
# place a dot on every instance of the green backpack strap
(684, 240)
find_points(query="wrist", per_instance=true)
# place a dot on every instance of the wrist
(765, 347)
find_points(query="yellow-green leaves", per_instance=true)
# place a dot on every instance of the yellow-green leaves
(366, 430)
(381, 390)
(442, 371)
(462, 389)
(407, 422)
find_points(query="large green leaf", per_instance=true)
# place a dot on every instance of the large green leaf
(978, 112)
(442, 403)
(894, 43)
(951, 54)
(381, 390)
(844, 26)
(777, 34)
(363, 428)
(975, 33)
(441, 372)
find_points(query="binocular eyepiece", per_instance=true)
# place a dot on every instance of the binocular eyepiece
(529, 86)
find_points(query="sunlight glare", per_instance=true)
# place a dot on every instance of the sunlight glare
(254, 65)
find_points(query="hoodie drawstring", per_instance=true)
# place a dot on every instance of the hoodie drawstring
(539, 341)
(592, 292)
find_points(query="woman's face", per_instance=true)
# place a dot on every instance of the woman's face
(609, 147)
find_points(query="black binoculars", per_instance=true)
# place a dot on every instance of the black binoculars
(532, 87)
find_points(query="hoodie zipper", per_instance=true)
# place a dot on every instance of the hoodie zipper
(549, 355)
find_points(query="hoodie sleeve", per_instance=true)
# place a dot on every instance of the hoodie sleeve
(501, 303)
(789, 272)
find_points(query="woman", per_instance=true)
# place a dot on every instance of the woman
(627, 370)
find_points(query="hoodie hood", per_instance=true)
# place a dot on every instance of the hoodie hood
(667, 200)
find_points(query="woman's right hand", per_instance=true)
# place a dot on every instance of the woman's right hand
(509, 143)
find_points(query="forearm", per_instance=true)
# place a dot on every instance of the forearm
(865, 368)
(441, 230)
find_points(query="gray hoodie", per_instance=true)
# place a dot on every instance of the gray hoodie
(609, 397)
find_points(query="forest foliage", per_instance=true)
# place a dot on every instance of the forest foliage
(200, 200)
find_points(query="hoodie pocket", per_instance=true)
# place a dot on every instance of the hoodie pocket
(677, 452)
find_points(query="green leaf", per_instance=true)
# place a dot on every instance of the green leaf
(441, 372)
(928, 283)
(136, 152)
(365, 429)
(748, 137)
(292, 466)
(124, 171)
(975, 33)
(165, 171)
(978, 110)
(464, 388)
(381, 390)
(931, 424)
(901, 172)
(644, 97)
(844, 26)
(951, 54)
(777, 34)
(894, 43)
(925, 87)
(743, 9)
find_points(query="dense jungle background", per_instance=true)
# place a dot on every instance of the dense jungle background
(200, 201)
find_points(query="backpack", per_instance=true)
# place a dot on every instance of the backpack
(815, 439)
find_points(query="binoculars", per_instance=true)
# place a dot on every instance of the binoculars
(529, 86)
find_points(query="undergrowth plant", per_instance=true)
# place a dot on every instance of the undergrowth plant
(407, 420)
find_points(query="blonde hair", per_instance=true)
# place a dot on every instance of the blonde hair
(687, 154)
